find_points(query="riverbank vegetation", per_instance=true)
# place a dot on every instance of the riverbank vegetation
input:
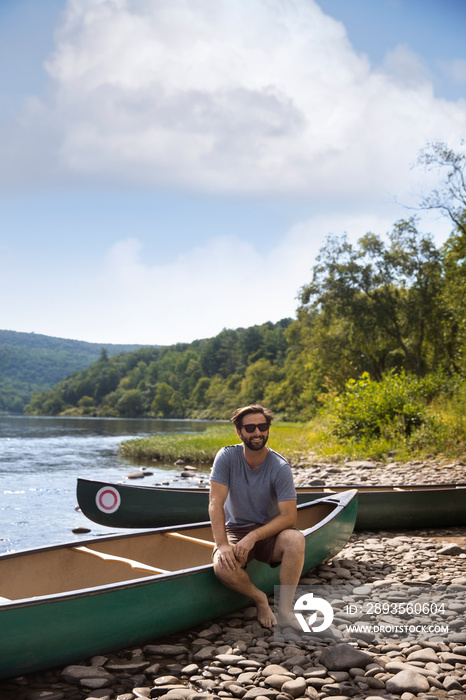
(373, 364)
(290, 439)
(398, 418)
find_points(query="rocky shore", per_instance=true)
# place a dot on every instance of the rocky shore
(399, 627)
(367, 472)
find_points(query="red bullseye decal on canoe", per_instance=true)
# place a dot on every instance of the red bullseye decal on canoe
(108, 499)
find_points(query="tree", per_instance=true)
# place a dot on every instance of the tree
(106, 382)
(161, 406)
(198, 395)
(130, 404)
(375, 305)
(103, 356)
(450, 196)
(258, 376)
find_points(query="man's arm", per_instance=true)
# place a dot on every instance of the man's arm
(218, 496)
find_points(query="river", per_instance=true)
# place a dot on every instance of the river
(40, 460)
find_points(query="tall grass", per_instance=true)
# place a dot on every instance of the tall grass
(199, 448)
(290, 439)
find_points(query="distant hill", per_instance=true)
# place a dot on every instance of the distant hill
(207, 378)
(30, 362)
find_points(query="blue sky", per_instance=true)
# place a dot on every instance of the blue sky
(171, 168)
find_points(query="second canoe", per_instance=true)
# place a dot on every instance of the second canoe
(379, 507)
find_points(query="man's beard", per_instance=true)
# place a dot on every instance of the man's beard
(257, 444)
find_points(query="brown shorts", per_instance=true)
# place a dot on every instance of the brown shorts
(262, 550)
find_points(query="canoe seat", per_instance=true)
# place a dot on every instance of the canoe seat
(194, 540)
(137, 565)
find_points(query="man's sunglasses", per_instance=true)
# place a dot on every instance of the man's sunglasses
(263, 427)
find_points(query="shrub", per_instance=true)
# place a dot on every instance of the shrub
(367, 408)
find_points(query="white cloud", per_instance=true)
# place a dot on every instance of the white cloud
(408, 69)
(126, 296)
(224, 283)
(264, 96)
(455, 70)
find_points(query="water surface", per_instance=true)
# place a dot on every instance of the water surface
(41, 458)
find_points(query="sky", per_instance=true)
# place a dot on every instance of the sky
(171, 168)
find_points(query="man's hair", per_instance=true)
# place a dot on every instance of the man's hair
(238, 415)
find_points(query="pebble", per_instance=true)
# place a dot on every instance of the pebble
(234, 657)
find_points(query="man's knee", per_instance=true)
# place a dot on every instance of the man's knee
(292, 537)
(225, 575)
(290, 540)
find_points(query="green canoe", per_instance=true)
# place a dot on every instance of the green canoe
(67, 602)
(380, 507)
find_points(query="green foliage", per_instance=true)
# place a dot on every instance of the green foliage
(195, 447)
(367, 408)
(290, 439)
(203, 379)
(31, 363)
(377, 303)
(449, 197)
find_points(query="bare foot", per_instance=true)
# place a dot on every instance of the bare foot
(288, 620)
(265, 614)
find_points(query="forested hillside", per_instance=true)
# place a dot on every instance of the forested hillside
(203, 379)
(30, 362)
(382, 322)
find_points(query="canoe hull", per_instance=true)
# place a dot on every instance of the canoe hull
(380, 507)
(53, 630)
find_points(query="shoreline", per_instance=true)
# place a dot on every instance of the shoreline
(420, 471)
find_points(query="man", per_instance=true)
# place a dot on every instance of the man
(253, 513)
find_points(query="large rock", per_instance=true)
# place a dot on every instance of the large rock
(399, 666)
(407, 682)
(275, 669)
(295, 688)
(343, 656)
(451, 550)
(100, 694)
(178, 694)
(125, 666)
(263, 692)
(205, 653)
(452, 683)
(165, 649)
(74, 674)
(229, 659)
(166, 680)
(275, 680)
(424, 655)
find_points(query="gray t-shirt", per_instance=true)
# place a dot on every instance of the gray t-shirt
(253, 494)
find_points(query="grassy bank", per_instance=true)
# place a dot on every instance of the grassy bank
(446, 437)
(290, 439)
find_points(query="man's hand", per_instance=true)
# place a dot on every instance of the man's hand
(226, 557)
(244, 546)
